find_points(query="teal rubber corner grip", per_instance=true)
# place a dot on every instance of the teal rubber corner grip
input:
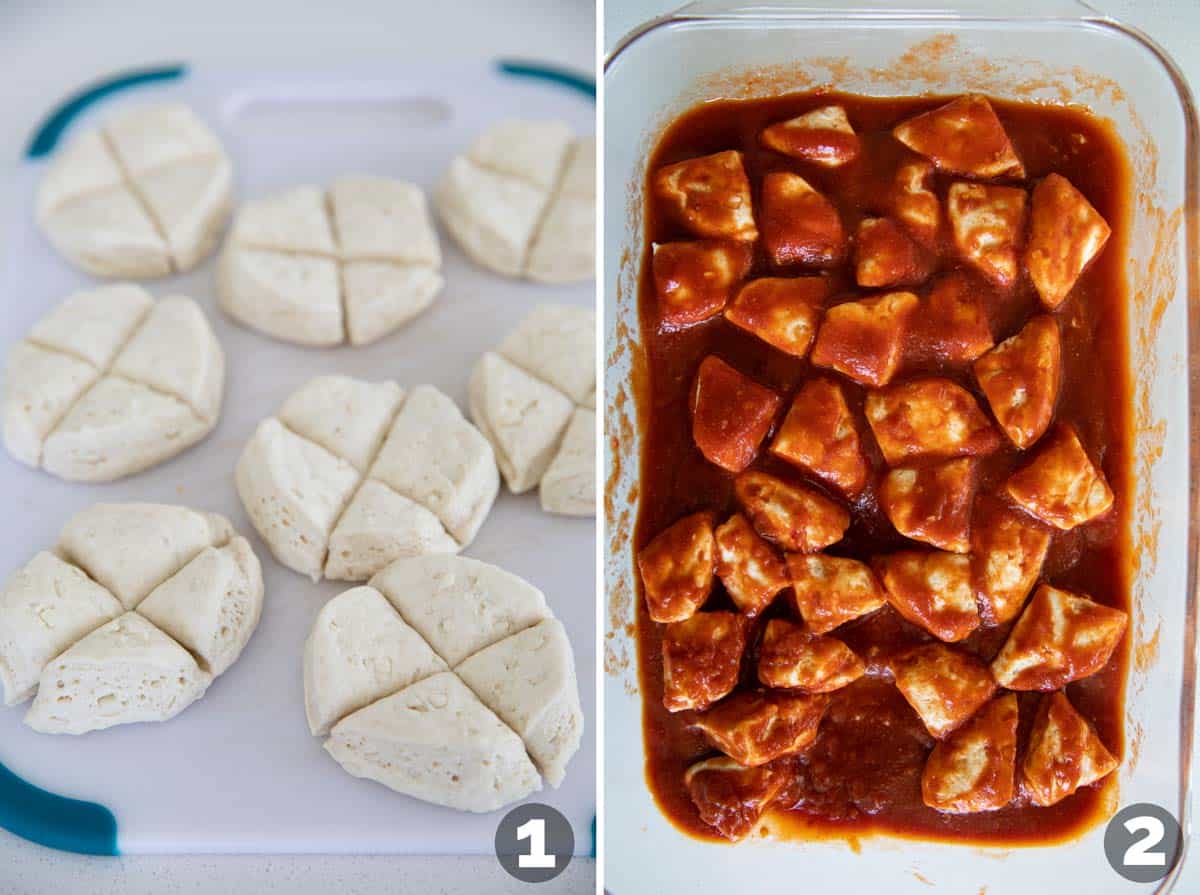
(46, 137)
(552, 74)
(54, 821)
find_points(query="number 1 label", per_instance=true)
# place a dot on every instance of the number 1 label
(534, 830)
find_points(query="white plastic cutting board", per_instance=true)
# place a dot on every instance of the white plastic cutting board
(239, 771)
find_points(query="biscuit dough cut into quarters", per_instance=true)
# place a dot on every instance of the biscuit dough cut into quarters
(143, 196)
(350, 475)
(534, 397)
(521, 201)
(321, 268)
(446, 679)
(129, 618)
(110, 383)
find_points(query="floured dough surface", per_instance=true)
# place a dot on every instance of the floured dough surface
(145, 195)
(521, 201)
(351, 475)
(129, 618)
(446, 679)
(110, 383)
(534, 399)
(321, 267)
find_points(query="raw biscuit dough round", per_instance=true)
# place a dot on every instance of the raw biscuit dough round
(315, 268)
(110, 383)
(446, 679)
(522, 201)
(145, 195)
(534, 397)
(351, 475)
(129, 618)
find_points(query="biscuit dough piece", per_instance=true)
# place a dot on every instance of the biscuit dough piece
(521, 201)
(110, 383)
(864, 340)
(436, 741)
(145, 195)
(350, 264)
(438, 677)
(568, 486)
(124, 672)
(352, 475)
(832, 590)
(131, 548)
(44, 608)
(528, 680)
(458, 605)
(756, 728)
(1061, 486)
(533, 398)
(360, 650)
(128, 618)
(933, 590)
(1066, 234)
(212, 605)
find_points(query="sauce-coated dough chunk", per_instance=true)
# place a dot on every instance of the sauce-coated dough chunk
(756, 728)
(933, 590)
(1007, 552)
(929, 418)
(1061, 486)
(793, 658)
(823, 136)
(701, 659)
(709, 195)
(832, 590)
(677, 568)
(795, 517)
(820, 436)
(1059, 638)
(945, 686)
(975, 768)
(694, 280)
(1020, 378)
(781, 312)
(800, 225)
(932, 503)
(864, 340)
(1065, 235)
(885, 255)
(963, 137)
(731, 414)
(988, 223)
(752, 572)
(730, 797)
(1064, 752)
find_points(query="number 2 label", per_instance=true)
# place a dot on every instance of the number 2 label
(1139, 853)
(534, 830)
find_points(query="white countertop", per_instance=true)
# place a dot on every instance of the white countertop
(49, 51)
(1174, 24)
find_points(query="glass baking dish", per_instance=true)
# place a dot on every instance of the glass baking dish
(1070, 55)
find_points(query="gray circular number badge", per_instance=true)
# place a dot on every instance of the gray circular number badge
(534, 843)
(1142, 842)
